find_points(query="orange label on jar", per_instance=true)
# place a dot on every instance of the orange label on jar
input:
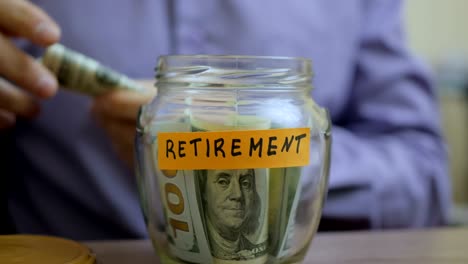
(270, 148)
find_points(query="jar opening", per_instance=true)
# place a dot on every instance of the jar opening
(233, 70)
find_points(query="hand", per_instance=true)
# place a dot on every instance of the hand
(20, 18)
(116, 112)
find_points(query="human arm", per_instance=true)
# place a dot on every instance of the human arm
(20, 18)
(388, 156)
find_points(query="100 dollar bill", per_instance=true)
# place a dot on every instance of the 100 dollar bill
(186, 237)
(234, 201)
(80, 73)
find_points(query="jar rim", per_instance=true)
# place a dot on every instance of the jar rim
(241, 70)
(230, 57)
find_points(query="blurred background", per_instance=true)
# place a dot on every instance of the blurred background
(438, 33)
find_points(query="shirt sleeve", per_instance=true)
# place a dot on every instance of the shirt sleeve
(389, 162)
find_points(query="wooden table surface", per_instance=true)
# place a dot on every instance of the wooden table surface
(446, 246)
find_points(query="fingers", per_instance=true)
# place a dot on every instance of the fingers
(121, 104)
(17, 101)
(20, 18)
(24, 71)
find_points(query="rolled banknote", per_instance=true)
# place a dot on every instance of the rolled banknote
(283, 209)
(80, 73)
(182, 213)
(234, 202)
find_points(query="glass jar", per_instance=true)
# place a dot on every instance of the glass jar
(232, 159)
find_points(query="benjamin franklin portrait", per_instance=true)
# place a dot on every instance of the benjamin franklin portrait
(232, 209)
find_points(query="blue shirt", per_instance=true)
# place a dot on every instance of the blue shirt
(389, 163)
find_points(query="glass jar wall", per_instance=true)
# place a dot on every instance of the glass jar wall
(232, 159)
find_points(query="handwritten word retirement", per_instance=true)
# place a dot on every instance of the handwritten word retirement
(234, 149)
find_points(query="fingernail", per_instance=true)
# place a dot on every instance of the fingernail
(46, 85)
(46, 32)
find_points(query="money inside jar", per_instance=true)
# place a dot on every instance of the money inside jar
(244, 219)
(77, 72)
(236, 214)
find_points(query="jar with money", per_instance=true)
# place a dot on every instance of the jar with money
(232, 159)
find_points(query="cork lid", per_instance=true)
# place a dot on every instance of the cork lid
(19, 249)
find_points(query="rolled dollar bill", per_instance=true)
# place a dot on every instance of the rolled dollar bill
(77, 72)
(283, 208)
(182, 213)
(234, 202)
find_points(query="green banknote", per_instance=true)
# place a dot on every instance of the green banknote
(282, 211)
(183, 216)
(234, 202)
(80, 73)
